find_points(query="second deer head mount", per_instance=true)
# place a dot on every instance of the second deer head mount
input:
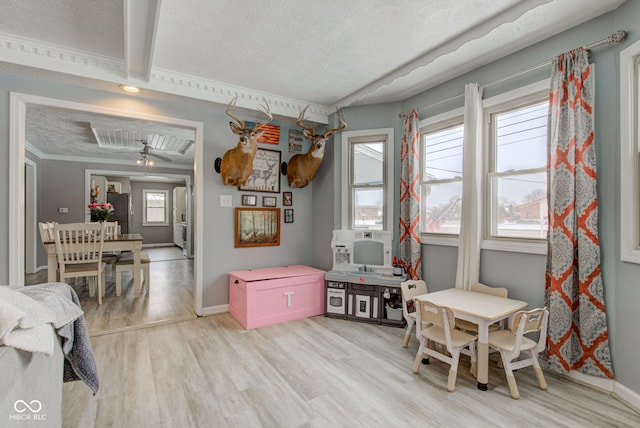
(237, 163)
(302, 168)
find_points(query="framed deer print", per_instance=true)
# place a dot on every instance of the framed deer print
(265, 176)
(257, 227)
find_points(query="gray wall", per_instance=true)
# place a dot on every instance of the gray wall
(152, 234)
(523, 274)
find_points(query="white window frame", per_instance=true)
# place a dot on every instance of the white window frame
(443, 120)
(519, 245)
(144, 208)
(386, 135)
(630, 153)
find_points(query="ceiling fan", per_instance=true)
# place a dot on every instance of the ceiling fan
(147, 152)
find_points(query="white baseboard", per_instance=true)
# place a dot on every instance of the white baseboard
(166, 244)
(610, 386)
(629, 397)
(214, 310)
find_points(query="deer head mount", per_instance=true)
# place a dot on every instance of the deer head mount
(302, 168)
(237, 163)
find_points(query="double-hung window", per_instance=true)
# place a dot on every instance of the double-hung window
(367, 175)
(156, 207)
(441, 177)
(516, 195)
(630, 154)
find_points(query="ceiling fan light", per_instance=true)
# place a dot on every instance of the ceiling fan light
(139, 161)
(130, 89)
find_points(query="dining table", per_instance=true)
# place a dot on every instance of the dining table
(119, 242)
(481, 309)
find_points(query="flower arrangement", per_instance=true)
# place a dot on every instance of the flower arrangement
(101, 211)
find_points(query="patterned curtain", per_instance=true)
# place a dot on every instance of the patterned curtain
(578, 337)
(410, 248)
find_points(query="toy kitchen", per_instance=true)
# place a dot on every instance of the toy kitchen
(364, 284)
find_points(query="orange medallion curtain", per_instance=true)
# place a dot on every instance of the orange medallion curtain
(578, 337)
(410, 248)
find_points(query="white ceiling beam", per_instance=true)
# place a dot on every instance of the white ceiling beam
(141, 19)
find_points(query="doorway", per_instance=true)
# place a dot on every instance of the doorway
(18, 208)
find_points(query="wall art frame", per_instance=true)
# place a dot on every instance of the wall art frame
(265, 176)
(257, 227)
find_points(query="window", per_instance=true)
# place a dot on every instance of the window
(441, 181)
(630, 154)
(366, 177)
(516, 202)
(155, 208)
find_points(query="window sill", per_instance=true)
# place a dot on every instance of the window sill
(155, 224)
(447, 241)
(515, 246)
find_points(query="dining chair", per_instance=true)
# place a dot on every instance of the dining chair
(110, 257)
(513, 342)
(441, 330)
(47, 233)
(79, 252)
(410, 289)
(478, 287)
(125, 264)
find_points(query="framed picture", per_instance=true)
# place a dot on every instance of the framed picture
(266, 172)
(271, 134)
(249, 199)
(288, 215)
(287, 199)
(295, 141)
(257, 227)
(268, 201)
(114, 187)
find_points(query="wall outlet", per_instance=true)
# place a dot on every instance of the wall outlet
(63, 210)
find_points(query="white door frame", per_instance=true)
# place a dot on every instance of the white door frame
(31, 216)
(17, 120)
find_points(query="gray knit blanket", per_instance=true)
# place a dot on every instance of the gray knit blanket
(62, 300)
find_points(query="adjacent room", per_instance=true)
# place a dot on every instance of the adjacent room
(296, 213)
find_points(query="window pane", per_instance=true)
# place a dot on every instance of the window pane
(443, 207)
(522, 138)
(368, 208)
(443, 154)
(368, 163)
(520, 206)
(155, 207)
(155, 214)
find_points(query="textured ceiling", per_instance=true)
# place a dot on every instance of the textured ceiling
(293, 52)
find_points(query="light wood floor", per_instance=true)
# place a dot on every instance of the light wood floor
(316, 372)
(171, 297)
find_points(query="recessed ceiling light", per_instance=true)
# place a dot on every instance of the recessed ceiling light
(131, 89)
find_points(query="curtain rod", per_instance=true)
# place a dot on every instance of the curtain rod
(614, 38)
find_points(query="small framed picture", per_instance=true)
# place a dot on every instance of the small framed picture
(288, 215)
(249, 200)
(287, 199)
(268, 201)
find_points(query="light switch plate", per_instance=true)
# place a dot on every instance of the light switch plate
(226, 200)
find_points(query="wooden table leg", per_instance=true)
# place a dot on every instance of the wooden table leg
(52, 269)
(137, 286)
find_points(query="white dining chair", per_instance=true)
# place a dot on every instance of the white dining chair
(436, 324)
(79, 252)
(513, 342)
(410, 289)
(478, 287)
(125, 264)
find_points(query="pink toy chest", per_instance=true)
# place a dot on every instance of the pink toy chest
(260, 297)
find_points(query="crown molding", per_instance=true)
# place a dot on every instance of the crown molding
(36, 54)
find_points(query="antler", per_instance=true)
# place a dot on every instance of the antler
(231, 107)
(264, 108)
(341, 126)
(301, 119)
